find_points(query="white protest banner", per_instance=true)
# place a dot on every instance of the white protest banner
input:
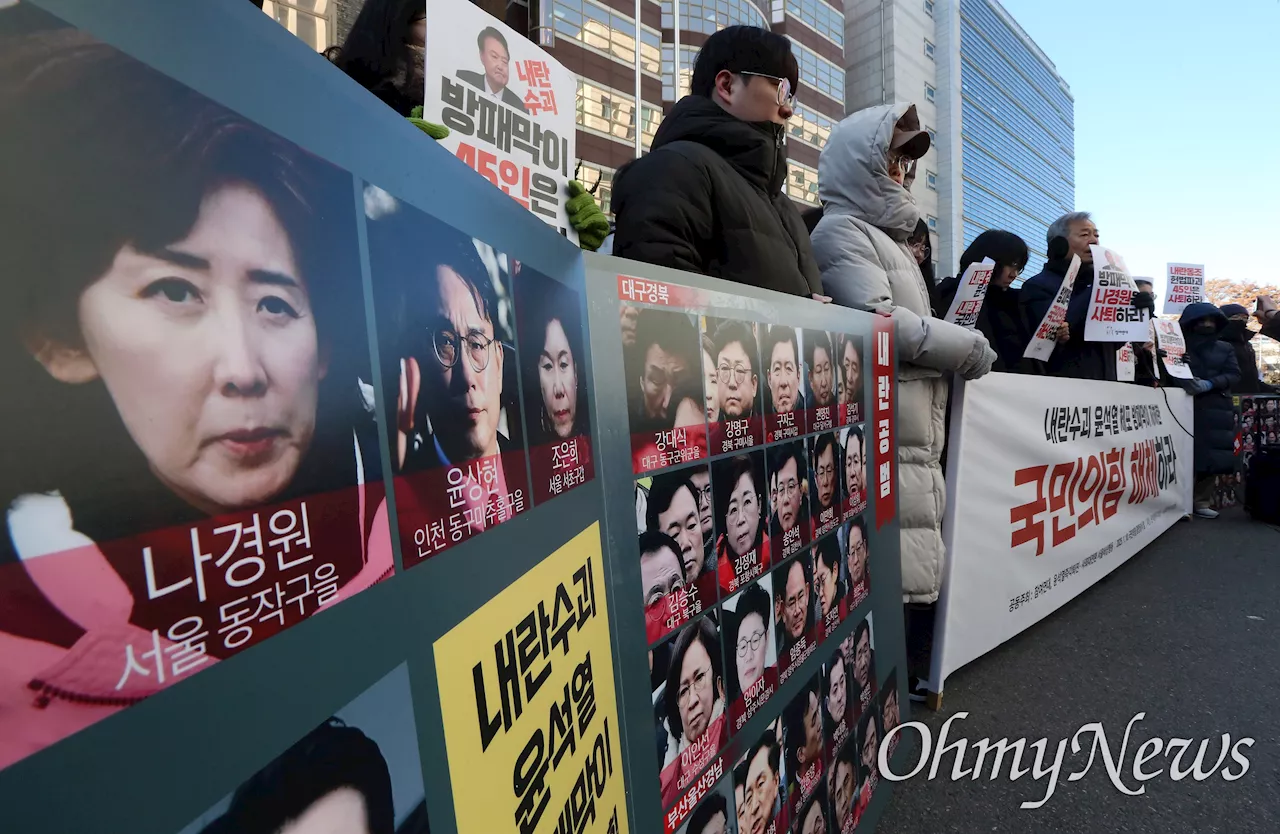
(970, 294)
(509, 106)
(1168, 337)
(1044, 341)
(1126, 367)
(1051, 484)
(1186, 286)
(1112, 316)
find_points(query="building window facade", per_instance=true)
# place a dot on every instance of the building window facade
(604, 31)
(928, 49)
(710, 16)
(928, 7)
(818, 73)
(821, 17)
(931, 180)
(599, 180)
(688, 54)
(933, 223)
(929, 92)
(605, 111)
(310, 20)
(802, 183)
(809, 126)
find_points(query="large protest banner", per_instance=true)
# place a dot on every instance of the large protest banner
(1186, 286)
(509, 106)
(1081, 476)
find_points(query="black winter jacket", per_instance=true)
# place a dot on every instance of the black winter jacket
(708, 199)
(1238, 336)
(1214, 361)
(1074, 358)
(1000, 320)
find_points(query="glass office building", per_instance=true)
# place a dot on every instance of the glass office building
(1018, 131)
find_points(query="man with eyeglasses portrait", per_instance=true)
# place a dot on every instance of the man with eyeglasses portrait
(789, 527)
(734, 378)
(708, 196)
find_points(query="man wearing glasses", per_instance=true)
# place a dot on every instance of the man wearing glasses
(708, 197)
(791, 516)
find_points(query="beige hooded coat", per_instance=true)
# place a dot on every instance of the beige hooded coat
(860, 246)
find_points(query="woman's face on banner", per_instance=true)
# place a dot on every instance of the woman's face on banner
(753, 648)
(742, 519)
(558, 378)
(697, 694)
(209, 349)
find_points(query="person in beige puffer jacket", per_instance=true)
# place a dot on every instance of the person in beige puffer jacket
(861, 248)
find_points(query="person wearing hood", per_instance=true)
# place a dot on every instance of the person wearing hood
(1238, 335)
(708, 196)
(1000, 318)
(861, 247)
(1072, 234)
(1213, 364)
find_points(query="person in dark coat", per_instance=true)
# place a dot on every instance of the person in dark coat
(1238, 335)
(1000, 319)
(708, 196)
(1213, 362)
(1073, 357)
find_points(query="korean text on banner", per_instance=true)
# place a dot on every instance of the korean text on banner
(1126, 367)
(1186, 286)
(885, 475)
(970, 294)
(1045, 339)
(529, 707)
(1112, 316)
(1080, 476)
(509, 107)
(1168, 337)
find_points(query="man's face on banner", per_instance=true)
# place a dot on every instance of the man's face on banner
(788, 495)
(822, 378)
(851, 363)
(718, 824)
(837, 692)
(735, 382)
(661, 573)
(496, 62)
(825, 582)
(814, 822)
(464, 401)
(701, 480)
(825, 472)
(855, 468)
(711, 393)
(862, 660)
(697, 694)
(662, 372)
(761, 792)
(857, 554)
(811, 750)
(892, 717)
(784, 377)
(795, 611)
(870, 747)
(844, 788)
(680, 522)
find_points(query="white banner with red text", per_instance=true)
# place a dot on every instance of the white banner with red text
(1051, 484)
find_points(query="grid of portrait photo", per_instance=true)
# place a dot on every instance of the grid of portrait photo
(750, 494)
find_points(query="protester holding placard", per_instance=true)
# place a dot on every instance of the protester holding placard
(1000, 318)
(1214, 364)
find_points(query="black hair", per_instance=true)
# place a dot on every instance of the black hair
(743, 49)
(847, 755)
(847, 339)
(705, 632)
(828, 550)
(859, 523)
(729, 331)
(490, 32)
(779, 455)
(376, 53)
(653, 541)
(706, 812)
(814, 339)
(921, 232)
(1003, 248)
(669, 330)
(768, 741)
(663, 491)
(740, 774)
(753, 600)
(793, 723)
(780, 595)
(867, 723)
(330, 757)
(779, 333)
(823, 442)
(542, 301)
(855, 431)
(726, 473)
(837, 658)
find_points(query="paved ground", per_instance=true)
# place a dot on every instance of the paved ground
(1188, 631)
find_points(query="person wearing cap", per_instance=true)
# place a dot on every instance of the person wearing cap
(1238, 335)
(861, 246)
(708, 196)
(1072, 234)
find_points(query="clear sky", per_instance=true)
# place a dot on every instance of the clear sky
(1177, 115)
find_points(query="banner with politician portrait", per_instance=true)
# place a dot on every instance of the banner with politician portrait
(443, 304)
(849, 351)
(804, 746)
(666, 404)
(789, 525)
(735, 404)
(784, 398)
(1112, 316)
(510, 107)
(750, 651)
(759, 780)
(1083, 475)
(822, 380)
(678, 550)
(191, 463)
(743, 546)
(853, 469)
(796, 612)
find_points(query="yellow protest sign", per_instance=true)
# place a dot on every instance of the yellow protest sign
(529, 707)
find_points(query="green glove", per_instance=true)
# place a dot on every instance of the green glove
(587, 218)
(435, 131)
